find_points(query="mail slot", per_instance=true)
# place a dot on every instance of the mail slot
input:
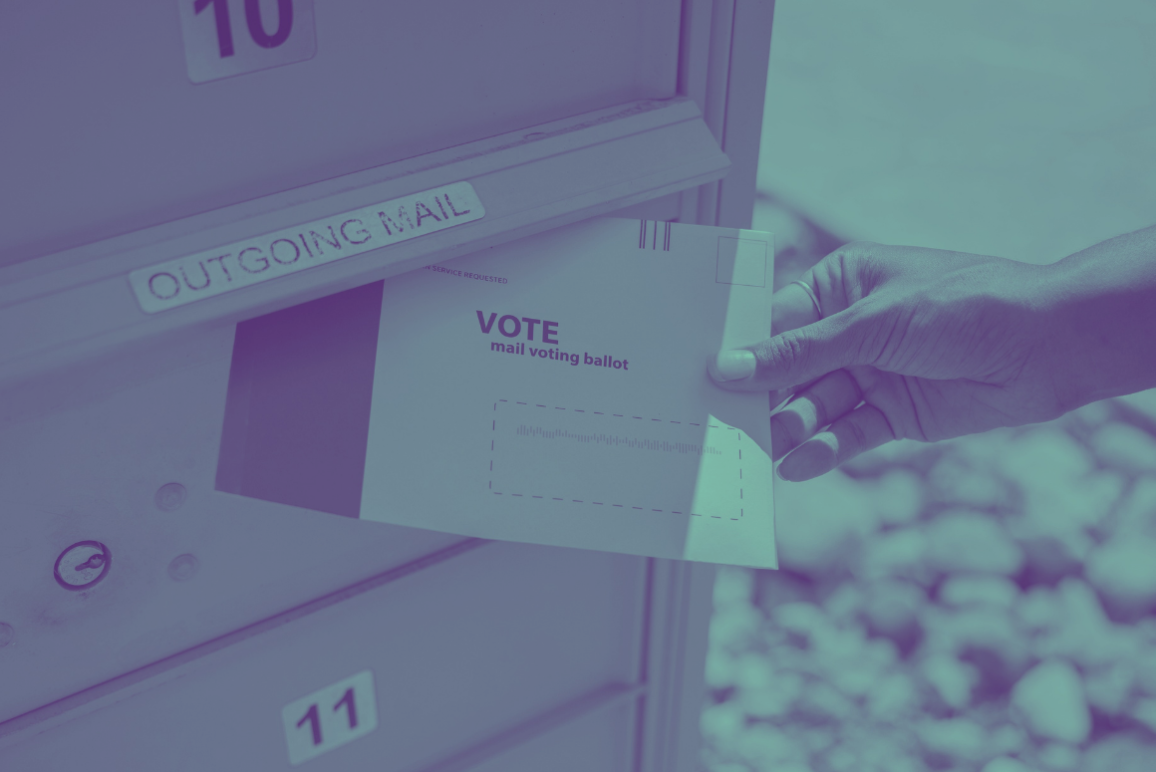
(173, 593)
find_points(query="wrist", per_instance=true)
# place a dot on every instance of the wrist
(1099, 309)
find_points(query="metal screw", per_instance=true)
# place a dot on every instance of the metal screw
(183, 567)
(171, 496)
(82, 565)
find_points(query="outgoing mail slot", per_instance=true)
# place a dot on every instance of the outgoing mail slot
(176, 170)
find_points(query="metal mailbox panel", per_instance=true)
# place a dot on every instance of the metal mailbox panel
(93, 453)
(111, 135)
(599, 742)
(459, 652)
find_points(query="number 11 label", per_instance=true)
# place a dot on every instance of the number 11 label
(230, 37)
(330, 717)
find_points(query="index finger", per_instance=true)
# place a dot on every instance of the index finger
(791, 308)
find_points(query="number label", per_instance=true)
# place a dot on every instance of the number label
(230, 37)
(330, 717)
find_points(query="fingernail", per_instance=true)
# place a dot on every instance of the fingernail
(733, 365)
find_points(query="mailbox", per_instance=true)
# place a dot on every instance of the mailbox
(152, 616)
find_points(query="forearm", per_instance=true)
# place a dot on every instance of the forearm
(1101, 304)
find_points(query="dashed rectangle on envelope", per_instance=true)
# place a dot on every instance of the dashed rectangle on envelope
(566, 459)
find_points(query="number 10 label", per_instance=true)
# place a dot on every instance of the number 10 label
(333, 716)
(230, 37)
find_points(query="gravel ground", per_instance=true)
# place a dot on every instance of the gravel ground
(981, 604)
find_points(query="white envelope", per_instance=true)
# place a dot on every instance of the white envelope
(554, 391)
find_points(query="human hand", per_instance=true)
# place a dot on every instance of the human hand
(912, 343)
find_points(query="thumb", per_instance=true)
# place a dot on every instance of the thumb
(793, 357)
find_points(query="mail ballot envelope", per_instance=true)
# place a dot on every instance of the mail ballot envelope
(552, 391)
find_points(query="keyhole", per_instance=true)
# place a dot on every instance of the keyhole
(96, 561)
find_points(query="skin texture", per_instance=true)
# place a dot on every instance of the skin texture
(928, 345)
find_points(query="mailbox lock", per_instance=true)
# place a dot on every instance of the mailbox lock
(82, 565)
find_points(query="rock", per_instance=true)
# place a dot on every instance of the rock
(1108, 688)
(720, 668)
(983, 452)
(753, 672)
(823, 702)
(801, 618)
(951, 679)
(1095, 413)
(892, 609)
(1060, 756)
(773, 588)
(1137, 513)
(1050, 558)
(885, 752)
(843, 604)
(1006, 764)
(895, 697)
(900, 553)
(1008, 739)
(897, 496)
(833, 646)
(1049, 700)
(1062, 493)
(965, 590)
(1038, 608)
(889, 455)
(988, 638)
(776, 699)
(1125, 446)
(1143, 664)
(1082, 632)
(843, 759)
(1121, 752)
(818, 738)
(820, 523)
(1045, 453)
(963, 540)
(733, 585)
(858, 677)
(735, 628)
(722, 723)
(1144, 401)
(765, 746)
(957, 738)
(1124, 571)
(1144, 711)
(956, 481)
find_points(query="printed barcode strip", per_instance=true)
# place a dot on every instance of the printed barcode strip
(642, 235)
